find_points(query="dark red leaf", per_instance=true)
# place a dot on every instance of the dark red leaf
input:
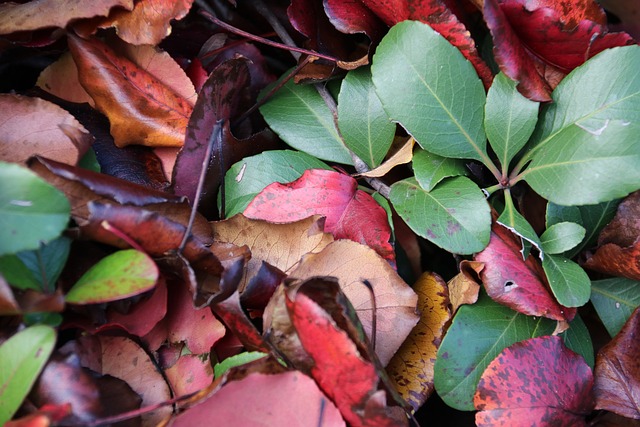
(260, 288)
(537, 382)
(351, 16)
(617, 382)
(350, 213)
(520, 285)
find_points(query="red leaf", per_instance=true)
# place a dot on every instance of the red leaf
(537, 382)
(617, 383)
(350, 213)
(351, 16)
(520, 285)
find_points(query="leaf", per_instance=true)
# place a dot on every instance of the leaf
(363, 124)
(617, 385)
(444, 117)
(463, 287)
(454, 216)
(511, 219)
(32, 210)
(140, 107)
(52, 13)
(221, 368)
(568, 281)
(288, 398)
(350, 213)
(478, 333)
(536, 382)
(245, 179)
(517, 283)
(352, 263)
(189, 374)
(509, 119)
(23, 356)
(33, 126)
(299, 115)
(430, 168)
(354, 17)
(614, 300)
(60, 78)
(577, 338)
(578, 166)
(119, 275)
(411, 369)
(561, 237)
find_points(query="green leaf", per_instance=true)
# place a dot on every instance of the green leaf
(299, 115)
(478, 333)
(363, 123)
(577, 338)
(17, 274)
(614, 301)
(581, 167)
(515, 222)
(426, 85)
(509, 119)
(248, 177)
(568, 281)
(23, 357)
(382, 201)
(454, 216)
(430, 168)
(221, 368)
(31, 210)
(592, 218)
(120, 275)
(561, 237)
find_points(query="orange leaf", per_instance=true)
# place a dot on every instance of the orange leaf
(141, 108)
(463, 288)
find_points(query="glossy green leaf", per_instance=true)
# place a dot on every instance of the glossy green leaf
(509, 119)
(363, 123)
(31, 210)
(23, 356)
(120, 275)
(454, 216)
(245, 179)
(568, 281)
(478, 333)
(561, 237)
(614, 301)
(514, 221)
(426, 85)
(577, 338)
(580, 166)
(299, 115)
(237, 360)
(430, 168)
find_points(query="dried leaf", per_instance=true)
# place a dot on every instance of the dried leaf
(33, 126)
(617, 373)
(411, 369)
(189, 374)
(535, 382)
(400, 157)
(61, 79)
(463, 288)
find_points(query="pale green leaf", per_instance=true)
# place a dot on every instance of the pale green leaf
(561, 237)
(426, 85)
(614, 301)
(430, 168)
(299, 115)
(454, 216)
(363, 123)
(568, 281)
(221, 368)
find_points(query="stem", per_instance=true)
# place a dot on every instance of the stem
(277, 26)
(490, 190)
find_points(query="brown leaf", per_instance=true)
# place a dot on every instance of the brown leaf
(35, 15)
(403, 155)
(141, 108)
(411, 369)
(61, 79)
(8, 304)
(352, 263)
(463, 288)
(189, 374)
(617, 373)
(33, 126)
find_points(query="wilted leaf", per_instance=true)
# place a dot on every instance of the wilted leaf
(411, 369)
(35, 15)
(614, 301)
(351, 263)
(448, 120)
(33, 126)
(535, 382)
(120, 275)
(189, 374)
(617, 380)
(397, 156)
(23, 357)
(454, 216)
(60, 78)
(288, 398)
(478, 333)
(141, 108)
(463, 287)
(353, 17)
(33, 211)
(350, 213)
(521, 285)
